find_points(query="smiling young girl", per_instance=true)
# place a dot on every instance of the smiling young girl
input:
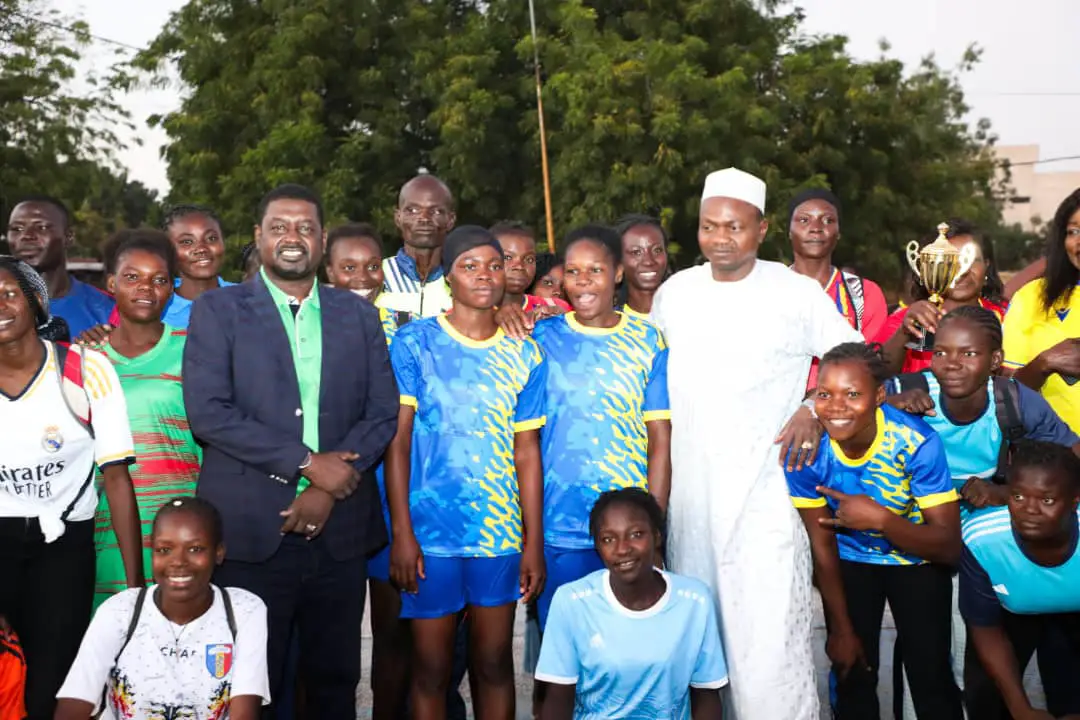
(182, 648)
(631, 640)
(879, 506)
(148, 355)
(464, 483)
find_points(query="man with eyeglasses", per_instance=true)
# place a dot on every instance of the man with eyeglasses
(414, 277)
(39, 233)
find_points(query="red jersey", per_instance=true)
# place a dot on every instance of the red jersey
(532, 302)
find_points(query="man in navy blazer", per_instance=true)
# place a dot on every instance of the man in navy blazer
(288, 386)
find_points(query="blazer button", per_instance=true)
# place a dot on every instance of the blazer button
(299, 412)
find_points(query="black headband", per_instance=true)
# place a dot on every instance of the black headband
(465, 238)
(812, 194)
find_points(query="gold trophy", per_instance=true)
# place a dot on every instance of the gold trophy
(937, 266)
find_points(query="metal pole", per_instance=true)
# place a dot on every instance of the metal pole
(543, 133)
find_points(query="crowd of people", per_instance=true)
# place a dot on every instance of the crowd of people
(203, 482)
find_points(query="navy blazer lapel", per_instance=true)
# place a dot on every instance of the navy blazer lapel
(273, 340)
(335, 340)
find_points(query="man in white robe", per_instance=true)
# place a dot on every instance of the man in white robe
(742, 333)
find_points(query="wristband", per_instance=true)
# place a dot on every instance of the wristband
(307, 463)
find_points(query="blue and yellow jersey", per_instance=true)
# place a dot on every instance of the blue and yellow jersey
(905, 470)
(603, 385)
(471, 397)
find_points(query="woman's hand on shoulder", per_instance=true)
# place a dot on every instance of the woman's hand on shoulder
(915, 401)
(95, 336)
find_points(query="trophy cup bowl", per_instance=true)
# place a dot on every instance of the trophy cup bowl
(937, 266)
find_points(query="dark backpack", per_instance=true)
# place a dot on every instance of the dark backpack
(1006, 409)
(136, 612)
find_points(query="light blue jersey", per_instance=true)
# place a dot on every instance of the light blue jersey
(628, 664)
(471, 397)
(178, 310)
(995, 573)
(972, 448)
(603, 385)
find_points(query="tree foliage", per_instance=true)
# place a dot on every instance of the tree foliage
(56, 141)
(642, 100)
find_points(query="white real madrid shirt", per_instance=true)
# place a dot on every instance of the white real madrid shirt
(171, 671)
(47, 456)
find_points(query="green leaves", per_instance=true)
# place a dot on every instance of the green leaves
(641, 100)
(57, 141)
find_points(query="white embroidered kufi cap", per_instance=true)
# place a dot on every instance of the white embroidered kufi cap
(734, 183)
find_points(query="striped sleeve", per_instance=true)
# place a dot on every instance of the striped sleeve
(108, 412)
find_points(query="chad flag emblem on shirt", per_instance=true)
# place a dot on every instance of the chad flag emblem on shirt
(219, 660)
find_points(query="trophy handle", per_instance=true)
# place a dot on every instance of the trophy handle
(913, 257)
(967, 259)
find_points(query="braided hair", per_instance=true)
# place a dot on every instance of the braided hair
(979, 317)
(1047, 455)
(633, 497)
(49, 327)
(870, 355)
(202, 509)
(177, 212)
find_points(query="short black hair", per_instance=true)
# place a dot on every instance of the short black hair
(869, 355)
(202, 509)
(545, 263)
(633, 497)
(1038, 453)
(47, 200)
(512, 227)
(632, 220)
(146, 239)
(246, 253)
(602, 235)
(981, 318)
(354, 230)
(291, 191)
(181, 211)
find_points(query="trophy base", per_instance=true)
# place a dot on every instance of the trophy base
(924, 345)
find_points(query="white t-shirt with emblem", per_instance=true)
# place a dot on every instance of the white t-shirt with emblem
(47, 455)
(171, 671)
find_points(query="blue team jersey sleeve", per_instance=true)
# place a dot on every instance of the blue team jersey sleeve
(532, 400)
(710, 669)
(657, 405)
(559, 662)
(803, 484)
(931, 481)
(978, 602)
(1040, 420)
(406, 364)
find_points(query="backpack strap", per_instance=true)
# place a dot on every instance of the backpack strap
(1010, 421)
(230, 617)
(71, 373)
(854, 285)
(911, 381)
(136, 612)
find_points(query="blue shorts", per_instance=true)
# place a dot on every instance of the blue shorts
(378, 566)
(564, 566)
(454, 582)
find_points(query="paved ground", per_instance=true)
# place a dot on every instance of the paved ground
(524, 683)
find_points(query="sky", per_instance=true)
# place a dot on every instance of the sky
(1027, 83)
